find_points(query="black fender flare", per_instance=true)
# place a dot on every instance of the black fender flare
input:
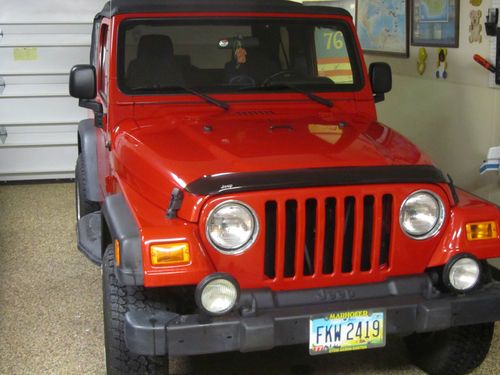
(87, 148)
(122, 227)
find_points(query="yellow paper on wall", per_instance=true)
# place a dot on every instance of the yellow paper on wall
(25, 54)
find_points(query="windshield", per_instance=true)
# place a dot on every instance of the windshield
(159, 56)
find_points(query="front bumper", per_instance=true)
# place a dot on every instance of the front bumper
(267, 319)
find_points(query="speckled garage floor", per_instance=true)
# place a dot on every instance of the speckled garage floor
(50, 305)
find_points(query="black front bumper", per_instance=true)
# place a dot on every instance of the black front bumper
(267, 319)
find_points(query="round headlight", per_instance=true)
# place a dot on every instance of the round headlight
(422, 215)
(232, 227)
(217, 294)
(463, 274)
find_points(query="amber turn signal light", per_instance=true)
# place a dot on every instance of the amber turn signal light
(117, 253)
(170, 254)
(482, 231)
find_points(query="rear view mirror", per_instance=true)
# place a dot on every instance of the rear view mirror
(82, 82)
(239, 42)
(381, 80)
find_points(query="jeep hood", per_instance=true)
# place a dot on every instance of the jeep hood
(164, 153)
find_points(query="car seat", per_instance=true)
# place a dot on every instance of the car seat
(155, 65)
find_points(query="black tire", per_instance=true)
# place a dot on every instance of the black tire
(455, 351)
(117, 300)
(83, 206)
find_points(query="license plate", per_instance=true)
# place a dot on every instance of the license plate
(346, 331)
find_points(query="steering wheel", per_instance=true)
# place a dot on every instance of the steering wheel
(282, 73)
(242, 80)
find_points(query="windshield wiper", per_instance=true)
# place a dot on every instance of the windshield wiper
(318, 99)
(205, 97)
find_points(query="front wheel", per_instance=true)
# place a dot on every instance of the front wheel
(117, 301)
(455, 351)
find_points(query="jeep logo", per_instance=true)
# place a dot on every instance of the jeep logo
(335, 295)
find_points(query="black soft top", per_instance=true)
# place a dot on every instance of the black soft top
(168, 6)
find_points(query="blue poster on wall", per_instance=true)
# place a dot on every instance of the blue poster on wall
(435, 23)
(434, 11)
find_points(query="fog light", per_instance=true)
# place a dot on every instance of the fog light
(217, 294)
(482, 231)
(170, 254)
(462, 273)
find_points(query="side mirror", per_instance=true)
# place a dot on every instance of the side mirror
(82, 82)
(82, 85)
(381, 80)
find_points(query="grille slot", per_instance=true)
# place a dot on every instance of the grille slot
(328, 245)
(349, 218)
(270, 252)
(327, 236)
(386, 229)
(368, 222)
(290, 237)
(310, 240)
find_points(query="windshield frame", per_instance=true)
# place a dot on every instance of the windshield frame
(356, 61)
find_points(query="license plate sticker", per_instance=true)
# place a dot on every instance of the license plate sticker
(346, 331)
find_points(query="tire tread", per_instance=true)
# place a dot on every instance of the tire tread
(119, 300)
(455, 351)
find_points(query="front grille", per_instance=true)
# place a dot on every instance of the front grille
(328, 236)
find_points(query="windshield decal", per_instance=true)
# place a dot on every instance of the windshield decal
(328, 133)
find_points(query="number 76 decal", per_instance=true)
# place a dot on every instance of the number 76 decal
(335, 39)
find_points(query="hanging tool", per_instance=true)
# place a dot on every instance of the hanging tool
(485, 63)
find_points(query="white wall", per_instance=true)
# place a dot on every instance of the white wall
(454, 121)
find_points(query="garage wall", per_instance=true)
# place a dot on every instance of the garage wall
(39, 43)
(454, 121)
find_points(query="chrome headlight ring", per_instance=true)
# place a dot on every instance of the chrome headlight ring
(227, 219)
(438, 217)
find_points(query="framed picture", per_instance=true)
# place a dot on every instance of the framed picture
(383, 26)
(435, 23)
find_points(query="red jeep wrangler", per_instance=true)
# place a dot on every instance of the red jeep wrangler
(240, 194)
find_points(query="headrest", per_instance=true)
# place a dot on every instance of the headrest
(155, 45)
